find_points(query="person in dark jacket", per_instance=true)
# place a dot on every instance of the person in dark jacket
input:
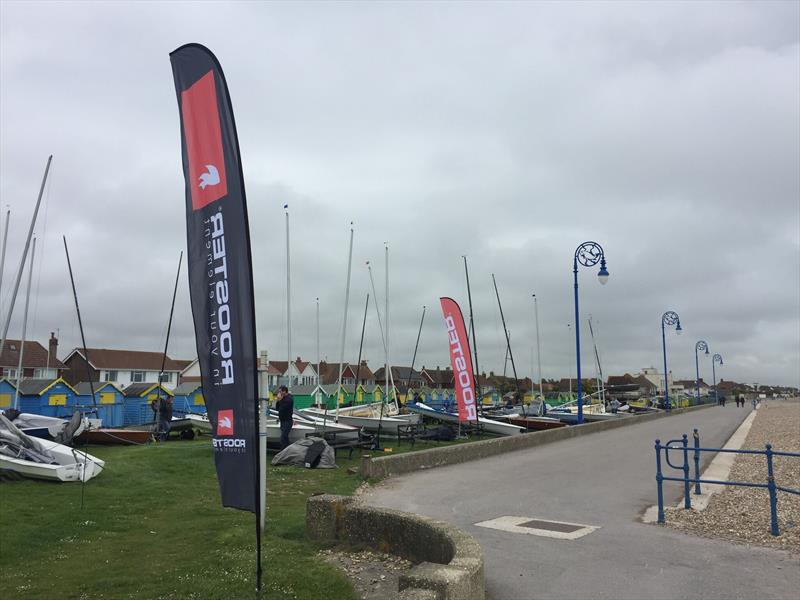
(285, 408)
(162, 412)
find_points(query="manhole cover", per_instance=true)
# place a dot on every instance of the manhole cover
(552, 526)
(541, 527)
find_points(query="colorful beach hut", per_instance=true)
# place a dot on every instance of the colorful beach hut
(49, 397)
(188, 398)
(7, 390)
(138, 397)
(108, 400)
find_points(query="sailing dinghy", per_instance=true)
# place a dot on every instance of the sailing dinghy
(488, 424)
(43, 459)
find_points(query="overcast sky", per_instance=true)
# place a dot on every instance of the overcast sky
(667, 132)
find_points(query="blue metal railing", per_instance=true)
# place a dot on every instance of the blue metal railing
(683, 447)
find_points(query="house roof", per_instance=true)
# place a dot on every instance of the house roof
(400, 374)
(84, 389)
(439, 376)
(37, 387)
(33, 356)
(136, 390)
(330, 371)
(187, 387)
(135, 360)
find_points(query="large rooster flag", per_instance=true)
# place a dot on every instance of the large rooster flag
(460, 359)
(220, 271)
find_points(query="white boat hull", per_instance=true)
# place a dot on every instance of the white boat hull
(487, 424)
(73, 465)
(367, 423)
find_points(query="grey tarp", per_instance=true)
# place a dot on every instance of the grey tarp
(304, 453)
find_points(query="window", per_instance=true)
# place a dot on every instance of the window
(111, 376)
(39, 373)
(10, 373)
(166, 377)
(137, 376)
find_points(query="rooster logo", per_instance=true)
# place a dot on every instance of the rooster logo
(225, 422)
(210, 177)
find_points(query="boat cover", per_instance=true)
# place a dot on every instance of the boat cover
(311, 453)
(15, 444)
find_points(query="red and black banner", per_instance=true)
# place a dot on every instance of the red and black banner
(460, 360)
(220, 270)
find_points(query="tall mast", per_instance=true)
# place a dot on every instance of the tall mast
(414, 358)
(288, 303)
(361, 344)
(24, 323)
(166, 342)
(538, 348)
(508, 340)
(318, 380)
(24, 256)
(344, 320)
(386, 319)
(386, 373)
(474, 341)
(3, 254)
(600, 386)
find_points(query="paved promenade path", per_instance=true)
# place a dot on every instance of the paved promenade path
(606, 480)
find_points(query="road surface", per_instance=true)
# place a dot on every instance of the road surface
(605, 480)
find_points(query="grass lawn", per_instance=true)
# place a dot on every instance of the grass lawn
(152, 527)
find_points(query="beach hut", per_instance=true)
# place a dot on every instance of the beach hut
(188, 398)
(138, 397)
(7, 390)
(108, 400)
(49, 397)
(304, 396)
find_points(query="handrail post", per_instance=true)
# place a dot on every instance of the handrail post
(659, 483)
(773, 496)
(687, 499)
(696, 462)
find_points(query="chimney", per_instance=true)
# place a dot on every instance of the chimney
(264, 361)
(53, 349)
(363, 363)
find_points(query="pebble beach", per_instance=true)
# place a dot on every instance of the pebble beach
(741, 514)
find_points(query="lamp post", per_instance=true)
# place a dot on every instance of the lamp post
(701, 345)
(668, 318)
(588, 254)
(717, 358)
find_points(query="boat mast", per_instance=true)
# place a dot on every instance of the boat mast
(318, 377)
(288, 303)
(538, 348)
(85, 358)
(344, 320)
(508, 340)
(414, 357)
(3, 255)
(478, 397)
(383, 339)
(24, 256)
(361, 345)
(24, 323)
(166, 342)
(598, 366)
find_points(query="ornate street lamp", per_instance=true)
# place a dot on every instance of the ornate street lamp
(588, 254)
(699, 346)
(668, 318)
(717, 358)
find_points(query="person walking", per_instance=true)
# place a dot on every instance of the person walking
(285, 408)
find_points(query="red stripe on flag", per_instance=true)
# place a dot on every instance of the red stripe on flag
(201, 127)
